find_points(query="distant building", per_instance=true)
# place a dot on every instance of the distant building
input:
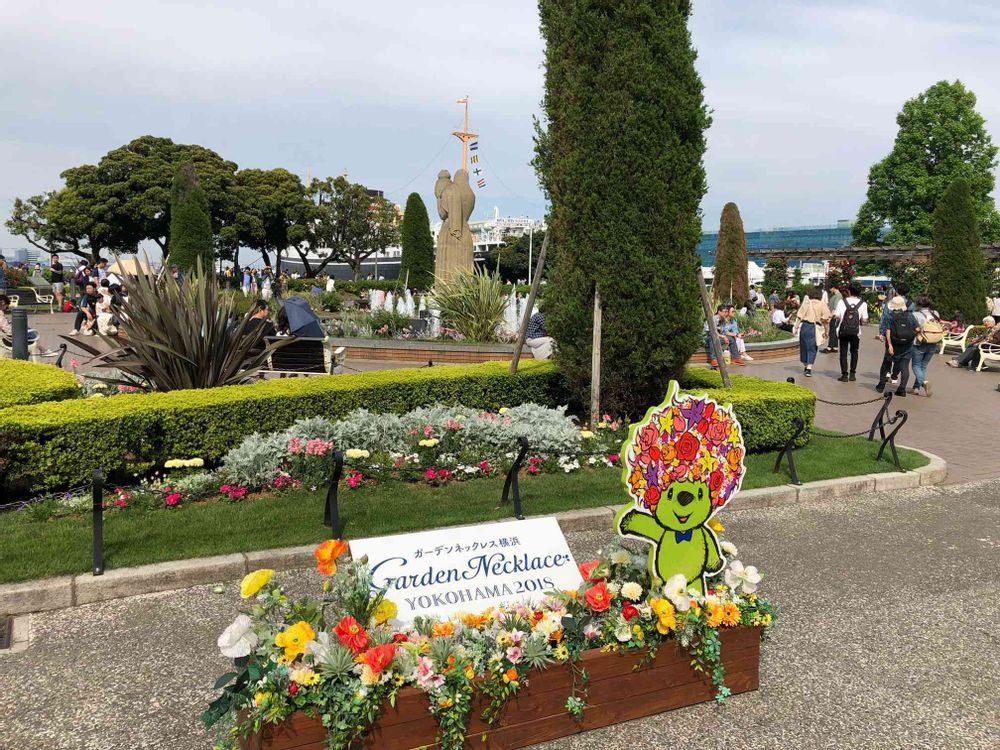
(827, 235)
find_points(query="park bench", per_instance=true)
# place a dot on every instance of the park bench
(304, 356)
(957, 340)
(31, 297)
(989, 354)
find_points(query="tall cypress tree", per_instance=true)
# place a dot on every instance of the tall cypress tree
(731, 282)
(418, 245)
(957, 273)
(190, 221)
(620, 158)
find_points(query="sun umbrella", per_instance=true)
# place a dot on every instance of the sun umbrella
(302, 321)
(130, 266)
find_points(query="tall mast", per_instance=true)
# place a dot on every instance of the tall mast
(464, 135)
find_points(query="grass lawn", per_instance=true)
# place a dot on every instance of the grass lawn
(62, 546)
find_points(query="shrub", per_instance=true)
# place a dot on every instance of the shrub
(190, 221)
(765, 408)
(472, 303)
(58, 444)
(417, 261)
(957, 268)
(388, 323)
(30, 383)
(730, 283)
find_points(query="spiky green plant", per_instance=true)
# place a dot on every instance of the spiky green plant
(472, 302)
(180, 335)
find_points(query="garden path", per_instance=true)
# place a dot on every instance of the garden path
(886, 640)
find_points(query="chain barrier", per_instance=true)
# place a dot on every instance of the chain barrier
(842, 403)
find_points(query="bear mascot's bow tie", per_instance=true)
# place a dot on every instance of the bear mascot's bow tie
(683, 536)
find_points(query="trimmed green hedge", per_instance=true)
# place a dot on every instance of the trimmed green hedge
(59, 444)
(765, 408)
(29, 383)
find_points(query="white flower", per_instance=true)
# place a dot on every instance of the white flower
(586, 434)
(631, 591)
(238, 639)
(356, 453)
(319, 649)
(624, 633)
(737, 575)
(675, 589)
(730, 549)
(621, 557)
(195, 463)
(614, 588)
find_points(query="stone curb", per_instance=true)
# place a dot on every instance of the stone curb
(71, 591)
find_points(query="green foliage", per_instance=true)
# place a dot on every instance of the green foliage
(417, 262)
(53, 444)
(765, 408)
(730, 282)
(473, 303)
(941, 137)
(840, 273)
(30, 383)
(620, 158)
(388, 323)
(511, 259)
(181, 336)
(190, 222)
(775, 276)
(272, 212)
(957, 268)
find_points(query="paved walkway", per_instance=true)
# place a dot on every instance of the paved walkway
(960, 422)
(887, 639)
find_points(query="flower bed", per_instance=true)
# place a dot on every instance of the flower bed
(365, 676)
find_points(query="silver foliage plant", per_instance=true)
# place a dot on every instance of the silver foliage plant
(255, 461)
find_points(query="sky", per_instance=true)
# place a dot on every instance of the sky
(804, 94)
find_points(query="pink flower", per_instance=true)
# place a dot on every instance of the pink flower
(514, 654)
(172, 499)
(431, 474)
(443, 473)
(121, 502)
(484, 465)
(613, 457)
(591, 631)
(74, 363)
(453, 424)
(532, 469)
(428, 430)
(318, 447)
(295, 445)
(354, 479)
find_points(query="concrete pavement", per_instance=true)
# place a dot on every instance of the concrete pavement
(887, 639)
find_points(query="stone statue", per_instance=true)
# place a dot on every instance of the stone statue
(455, 202)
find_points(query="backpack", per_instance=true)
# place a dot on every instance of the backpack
(901, 327)
(931, 332)
(850, 324)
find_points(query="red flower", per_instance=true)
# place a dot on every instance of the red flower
(431, 474)
(484, 465)
(687, 447)
(654, 453)
(378, 658)
(715, 480)
(293, 688)
(613, 457)
(351, 634)
(718, 431)
(443, 473)
(651, 496)
(629, 611)
(587, 569)
(400, 638)
(598, 597)
(648, 436)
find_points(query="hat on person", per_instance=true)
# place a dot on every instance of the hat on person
(897, 303)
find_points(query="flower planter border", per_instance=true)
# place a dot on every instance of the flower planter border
(616, 692)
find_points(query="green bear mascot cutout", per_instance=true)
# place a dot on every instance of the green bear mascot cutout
(682, 463)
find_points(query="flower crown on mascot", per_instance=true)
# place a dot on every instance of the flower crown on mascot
(682, 463)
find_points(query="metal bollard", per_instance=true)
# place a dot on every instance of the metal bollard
(98, 519)
(19, 329)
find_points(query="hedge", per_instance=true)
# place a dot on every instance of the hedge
(60, 444)
(29, 383)
(765, 408)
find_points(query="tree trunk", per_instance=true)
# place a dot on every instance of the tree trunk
(529, 304)
(713, 332)
(595, 363)
(306, 268)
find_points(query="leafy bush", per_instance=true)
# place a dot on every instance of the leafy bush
(30, 383)
(53, 445)
(472, 303)
(253, 462)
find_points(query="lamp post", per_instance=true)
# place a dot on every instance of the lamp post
(531, 237)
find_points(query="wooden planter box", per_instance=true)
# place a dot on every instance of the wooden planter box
(616, 693)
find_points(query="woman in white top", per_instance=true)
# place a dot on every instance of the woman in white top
(849, 330)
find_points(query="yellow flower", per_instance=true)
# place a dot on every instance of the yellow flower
(194, 463)
(445, 702)
(260, 697)
(586, 434)
(385, 611)
(356, 453)
(561, 653)
(637, 632)
(503, 410)
(730, 614)
(254, 582)
(442, 629)
(661, 607)
(429, 442)
(294, 639)
(368, 676)
(715, 526)
(173, 463)
(469, 672)
(715, 615)
(304, 677)
(766, 619)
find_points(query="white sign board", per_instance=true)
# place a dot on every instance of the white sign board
(470, 568)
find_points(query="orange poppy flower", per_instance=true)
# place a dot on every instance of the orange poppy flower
(326, 555)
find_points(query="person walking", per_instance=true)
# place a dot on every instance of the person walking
(927, 343)
(812, 318)
(835, 299)
(851, 315)
(3, 274)
(58, 280)
(902, 289)
(900, 334)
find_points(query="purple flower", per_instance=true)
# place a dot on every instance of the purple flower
(693, 411)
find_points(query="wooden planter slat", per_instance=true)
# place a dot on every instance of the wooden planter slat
(615, 693)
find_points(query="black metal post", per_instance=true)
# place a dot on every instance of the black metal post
(19, 333)
(512, 482)
(879, 422)
(97, 489)
(62, 353)
(331, 515)
(797, 426)
(899, 420)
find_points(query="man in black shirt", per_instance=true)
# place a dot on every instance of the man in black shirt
(260, 319)
(86, 317)
(58, 280)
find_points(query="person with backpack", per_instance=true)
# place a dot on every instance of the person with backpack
(900, 334)
(902, 290)
(928, 340)
(852, 314)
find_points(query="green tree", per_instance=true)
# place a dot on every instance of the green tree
(190, 222)
(731, 282)
(272, 214)
(775, 276)
(512, 258)
(58, 222)
(957, 266)
(620, 157)
(840, 272)
(941, 137)
(417, 263)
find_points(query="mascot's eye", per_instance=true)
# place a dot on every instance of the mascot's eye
(701, 493)
(670, 493)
